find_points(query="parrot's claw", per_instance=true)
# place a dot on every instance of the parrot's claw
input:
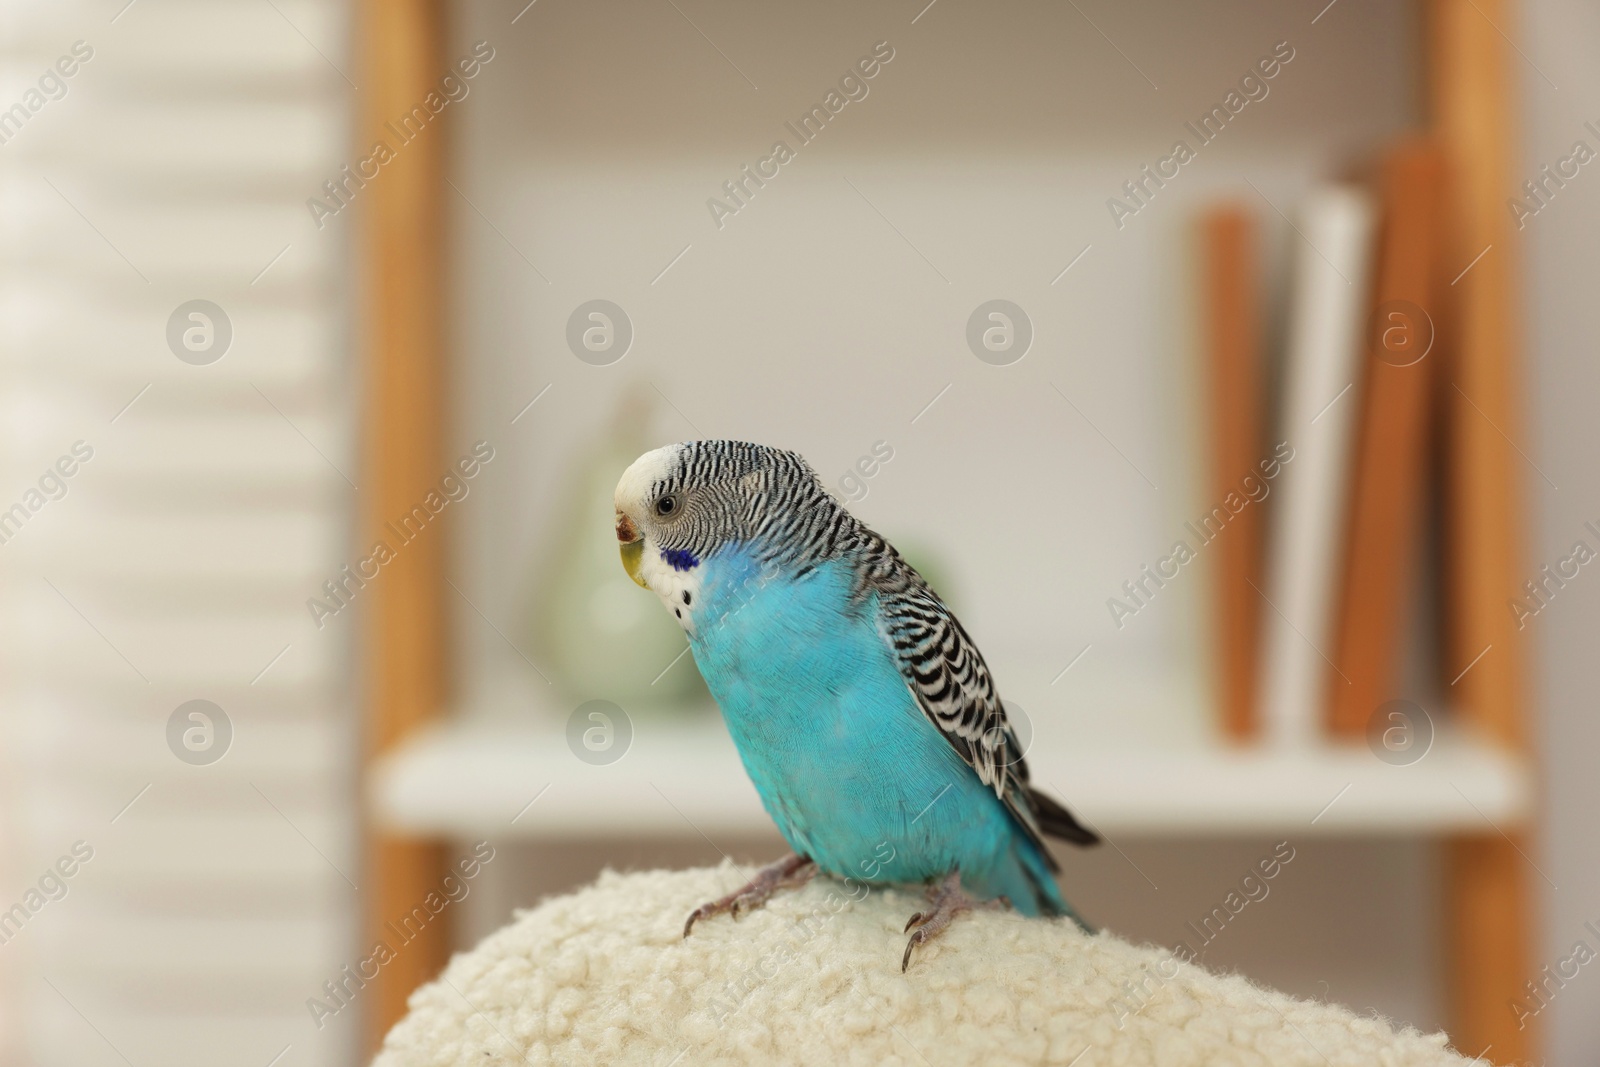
(791, 872)
(949, 900)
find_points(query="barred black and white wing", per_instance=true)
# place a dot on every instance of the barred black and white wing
(952, 685)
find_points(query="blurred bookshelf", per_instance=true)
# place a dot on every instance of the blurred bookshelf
(465, 764)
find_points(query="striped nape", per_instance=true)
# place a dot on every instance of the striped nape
(764, 498)
(771, 501)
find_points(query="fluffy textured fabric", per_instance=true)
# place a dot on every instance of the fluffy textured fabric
(604, 976)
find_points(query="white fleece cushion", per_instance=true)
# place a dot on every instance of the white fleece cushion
(604, 976)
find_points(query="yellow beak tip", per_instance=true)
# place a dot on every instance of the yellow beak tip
(632, 554)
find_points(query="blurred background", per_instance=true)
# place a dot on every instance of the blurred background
(328, 328)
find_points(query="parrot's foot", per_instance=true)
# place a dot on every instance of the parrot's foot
(949, 900)
(791, 872)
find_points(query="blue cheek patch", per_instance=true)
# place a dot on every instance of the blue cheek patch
(680, 559)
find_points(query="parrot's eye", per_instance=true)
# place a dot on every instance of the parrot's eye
(669, 505)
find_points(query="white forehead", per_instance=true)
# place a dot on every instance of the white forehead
(647, 470)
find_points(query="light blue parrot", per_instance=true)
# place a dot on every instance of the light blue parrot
(863, 712)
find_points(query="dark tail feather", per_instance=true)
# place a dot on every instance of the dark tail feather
(1057, 821)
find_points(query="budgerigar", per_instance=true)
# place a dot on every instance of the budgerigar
(863, 712)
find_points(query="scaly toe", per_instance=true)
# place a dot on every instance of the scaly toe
(915, 940)
(705, 911)
(948, 902)
(789, 873)
(751, 901)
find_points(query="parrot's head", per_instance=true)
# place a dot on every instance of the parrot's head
(677, 505)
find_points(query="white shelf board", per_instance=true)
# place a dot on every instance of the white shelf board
(682, 776)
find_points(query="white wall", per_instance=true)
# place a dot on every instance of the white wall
(1562, 435)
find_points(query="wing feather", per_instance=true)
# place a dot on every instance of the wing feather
(951, 683)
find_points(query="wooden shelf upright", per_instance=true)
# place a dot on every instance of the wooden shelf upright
(1489, 908)
(401, 44)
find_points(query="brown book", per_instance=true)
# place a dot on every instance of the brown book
(1230, 281)
(1392, 437)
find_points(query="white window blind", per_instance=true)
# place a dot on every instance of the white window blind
(207, 499)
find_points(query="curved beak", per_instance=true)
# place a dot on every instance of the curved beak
(631, 544)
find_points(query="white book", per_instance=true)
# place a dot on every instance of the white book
(1322, 369)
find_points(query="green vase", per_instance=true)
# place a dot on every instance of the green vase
(604, 636)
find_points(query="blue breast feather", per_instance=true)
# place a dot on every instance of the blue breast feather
(847, 765)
